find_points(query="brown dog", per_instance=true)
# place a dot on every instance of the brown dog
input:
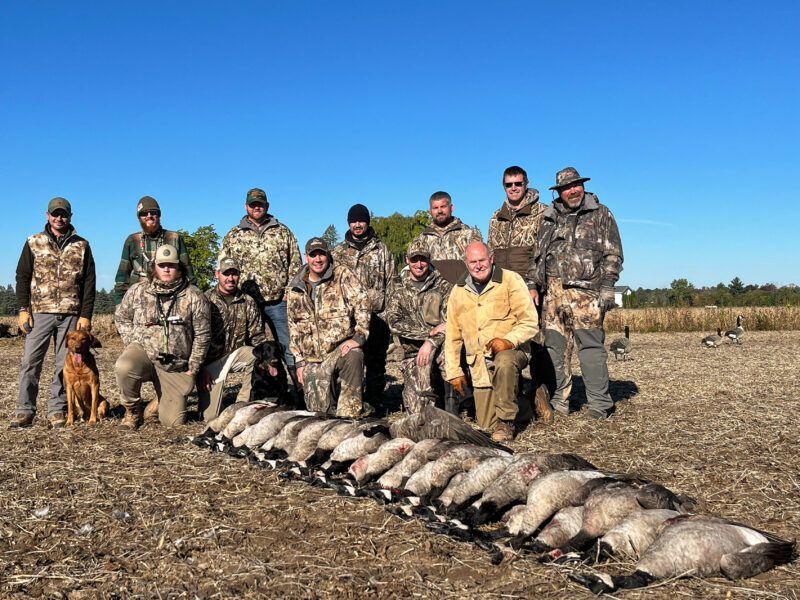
(82, 380)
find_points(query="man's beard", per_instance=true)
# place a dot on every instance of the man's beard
(150, 229)
(442, 220)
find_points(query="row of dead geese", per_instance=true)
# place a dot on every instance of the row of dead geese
(433, 466)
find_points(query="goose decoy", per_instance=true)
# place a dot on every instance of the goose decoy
(714, 340)
(736, 334)
(622, 346)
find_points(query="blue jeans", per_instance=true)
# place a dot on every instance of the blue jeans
(279, 324)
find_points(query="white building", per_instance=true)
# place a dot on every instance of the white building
(619, 292)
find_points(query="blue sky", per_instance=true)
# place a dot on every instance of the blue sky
(684, 115)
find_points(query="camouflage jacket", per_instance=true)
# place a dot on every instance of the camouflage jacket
(503, 309)
(233, 325)
(269, 256)
(447, 246)
(323, 316)
(373, 265)
(581, 247)
(513, 233)
(411, 312)
(56, 275)
(177, 324)
(137, 252)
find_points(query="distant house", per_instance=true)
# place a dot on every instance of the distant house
(619, 292)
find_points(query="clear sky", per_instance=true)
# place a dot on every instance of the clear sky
(684, 115)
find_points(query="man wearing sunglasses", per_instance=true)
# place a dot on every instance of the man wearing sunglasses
(55, 293)
(447, 238)
(577, 261)
(513, 231)
(139, 248)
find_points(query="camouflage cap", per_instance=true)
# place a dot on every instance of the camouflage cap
(256, 195)
(59, 203)
(567, 176)
(147, 203)
(228, 263)
(418, 248)
(316, 243)
(166, 254)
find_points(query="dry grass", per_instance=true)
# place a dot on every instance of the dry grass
(650, 320)
(100, 512)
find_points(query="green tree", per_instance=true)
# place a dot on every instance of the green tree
(203, 247)
(681, 292)
(735, 287)
(397, 230)
(103, 302)
(331, 235)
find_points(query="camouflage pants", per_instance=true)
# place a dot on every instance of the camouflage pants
(573, 317)
(320, 379)
(417, 387)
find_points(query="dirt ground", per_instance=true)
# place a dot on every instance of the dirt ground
(102, 512)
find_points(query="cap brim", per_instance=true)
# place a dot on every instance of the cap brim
(563, 185)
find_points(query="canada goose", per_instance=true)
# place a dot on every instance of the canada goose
(700, 546)
(416, 457)
(380, 461)
(622, 346)
(714, 340)
(477, 479)
(268, 427)
(631, 536)
(736, 334)
(432, 478)
(432, 422)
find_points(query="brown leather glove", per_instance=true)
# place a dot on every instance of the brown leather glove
(497, 345)
(459, 383)
(25, 321)
(84, 323)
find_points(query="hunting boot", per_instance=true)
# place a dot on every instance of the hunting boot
(541, 403)
(151, 411)
(299, 397)
(452, 401)
(133, 415)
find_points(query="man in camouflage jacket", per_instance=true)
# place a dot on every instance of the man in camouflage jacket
(55, 292)
(269, 256)
(578, 259)
(373, 263)
(328, 324)
(447, 238)
(237, 325)
(140, 248)
(416, 312)
(513, 231)
(164, 323)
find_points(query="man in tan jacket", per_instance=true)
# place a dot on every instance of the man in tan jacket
(490, 314)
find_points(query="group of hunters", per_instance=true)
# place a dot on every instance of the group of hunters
(468, 316)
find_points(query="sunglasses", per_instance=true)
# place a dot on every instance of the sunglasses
(155, 213)
(59, 214)
(509, 184)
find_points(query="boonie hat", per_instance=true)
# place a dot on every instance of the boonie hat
(147, 203)
(59, 203)
(417, 248)
(166, 254)
(316, 243)
(228, 263)
(567, 176)
(256, 195)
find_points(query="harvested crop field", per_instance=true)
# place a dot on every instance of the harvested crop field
(102, 512)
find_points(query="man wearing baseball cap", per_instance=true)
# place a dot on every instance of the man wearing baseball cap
(140, 248)
(269, 256)
(577, 260)
(236, 327)
(329, 314)
(164, 323)
(55, 293)
(416, 310)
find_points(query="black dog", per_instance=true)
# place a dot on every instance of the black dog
(264, 385)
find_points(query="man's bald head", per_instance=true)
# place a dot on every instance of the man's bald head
(479, 260)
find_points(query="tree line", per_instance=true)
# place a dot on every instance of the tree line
(682, 292)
